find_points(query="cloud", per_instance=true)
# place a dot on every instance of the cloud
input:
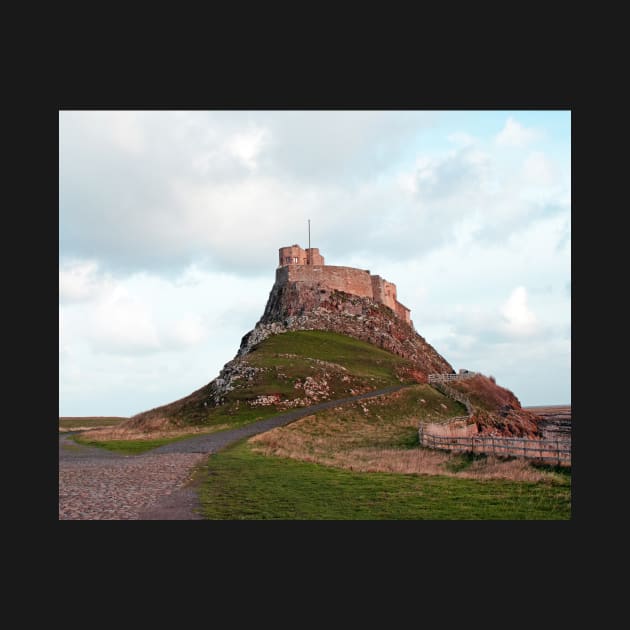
(247, 145)
(161, 190)
(539, 170)
(79, 281)
(123, 324)
(519, 319)
(188, 331)
(514, 134)
(461, 171)
(461, 138)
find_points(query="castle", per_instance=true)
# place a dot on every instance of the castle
(307, 266)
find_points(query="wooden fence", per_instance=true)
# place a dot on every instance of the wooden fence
(556, 451)
(454, 394)
(441, 378)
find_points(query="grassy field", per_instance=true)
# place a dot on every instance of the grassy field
(381, 435)
(337, 365)
(363, 461)
(241, 484)
(128, 447)
(74, 422)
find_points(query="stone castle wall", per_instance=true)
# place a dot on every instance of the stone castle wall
(347, 279)
(295, 255)
(295, 268)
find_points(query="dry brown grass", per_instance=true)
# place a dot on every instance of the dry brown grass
(419, 460)
(80, 428)
(154, 429)
(352, 439)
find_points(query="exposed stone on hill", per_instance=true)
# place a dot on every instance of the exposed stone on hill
(308, 304)
(494, 409)
(301, 306)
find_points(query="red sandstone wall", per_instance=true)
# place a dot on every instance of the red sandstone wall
(315, 256)
(355, 281)
(384, 292)
(377, 288)
(293, 267)
(389, 289)
(293, 255)
(403, 312)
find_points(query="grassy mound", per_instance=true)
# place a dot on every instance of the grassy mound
(289, 370)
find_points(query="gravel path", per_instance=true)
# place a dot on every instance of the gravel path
(97, 484)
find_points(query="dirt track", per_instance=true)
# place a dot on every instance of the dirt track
(95, 484)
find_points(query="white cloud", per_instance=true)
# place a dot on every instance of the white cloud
(127, 133)
(122, 324)
(539, 170)
(461, 138)
(188, 331)
(519, 319)
(247, 145)
(514, 134)
(78, 281)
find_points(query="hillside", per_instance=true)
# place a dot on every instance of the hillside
(496, 410)
(326, 333)
(314, 306)
(284, 371)
(313, 343)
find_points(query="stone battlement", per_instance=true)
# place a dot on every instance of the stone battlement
(295, 267)
(295, 255)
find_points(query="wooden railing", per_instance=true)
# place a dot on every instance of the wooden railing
(455, 395)
(442, 378)
(554, 450)
(557, 451)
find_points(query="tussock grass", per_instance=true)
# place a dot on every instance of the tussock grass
(123, 433)
(76, 423)
(381, 435)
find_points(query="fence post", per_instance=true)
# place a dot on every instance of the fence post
(558, 450)
(493, 451)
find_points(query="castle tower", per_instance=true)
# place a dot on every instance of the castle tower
(295, 255)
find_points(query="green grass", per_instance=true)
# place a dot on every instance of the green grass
(284, 360)
(71, 422)
(240, 484)
(129, 447)
(358, 357)
(461, 461)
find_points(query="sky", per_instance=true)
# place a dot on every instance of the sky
(170, 224)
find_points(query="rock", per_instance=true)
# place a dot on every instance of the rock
(302, 306)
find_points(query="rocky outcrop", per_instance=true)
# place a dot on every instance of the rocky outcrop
(308, 305)
(304, 306)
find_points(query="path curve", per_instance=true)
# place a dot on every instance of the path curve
(98, 484)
